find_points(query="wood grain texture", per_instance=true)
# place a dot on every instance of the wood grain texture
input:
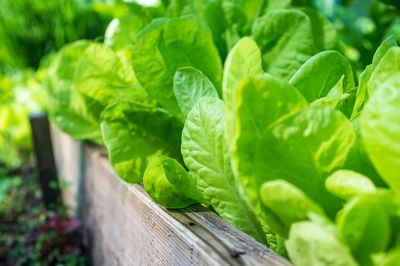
(67, 153)
(123, 226)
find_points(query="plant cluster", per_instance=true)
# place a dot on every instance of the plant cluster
(20, 94)
(251, 108)
(30, 234)
(31, 29)
(53, 239)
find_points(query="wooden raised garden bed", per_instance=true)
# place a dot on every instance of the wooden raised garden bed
(123, 226)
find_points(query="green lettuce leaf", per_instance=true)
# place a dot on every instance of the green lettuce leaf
(392, 258)
(364, 224)
(380, 128)
(311, 244)
(123, 31)
(190, 85)
(179, 8)
(382, 50)
(228, 23)
(66, 107)
(167, 183)
(102, 77)
(286, 40)
(255, 8)
(358, 159)
(304, 149)
(335, 96)
(134, 132)
(287, 202)
(205, 152)
(243, 60)
(316, 78)
(387, 67)
(261, 100)
(347, 184)
(67, 110)
(168, 44)
(324, 32)
(362, 92)
(67, 60)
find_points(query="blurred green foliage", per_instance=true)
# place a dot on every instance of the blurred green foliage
(31, 29)
(20, 94)
(362, 26)
(29, 32)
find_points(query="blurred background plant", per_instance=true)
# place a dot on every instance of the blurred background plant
(31, 29)
(361, 25)
(31, 234)
(20, 94)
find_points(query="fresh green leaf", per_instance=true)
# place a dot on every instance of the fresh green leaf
(67, 59)
(380, 128)
(362, 92)
(167, 183)
(303, 149)
(134, 132)
(206, 154)
(286, 40)
(228, 23)
(66, 107)
(387, 67)
(347, 184)
(324, 32)
(392, 258)
(255, 8)
(311, 244)
(288, 202)
(358, 160)
(316, 78)
(168, 44)
(190, 85)
(178, 8)
(365, 227)
(243, 60)
(261, 100)
(67, 111)
(102, 77)
(382, 50)
(334, 97)
(123, 31)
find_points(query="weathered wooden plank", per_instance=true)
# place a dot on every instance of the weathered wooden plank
(123, 226)
(69, 158)
(231, 243)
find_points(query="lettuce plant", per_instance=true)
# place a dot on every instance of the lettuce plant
(250, 108)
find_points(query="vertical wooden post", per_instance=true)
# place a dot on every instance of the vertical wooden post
(45, 160)
(81, 184)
